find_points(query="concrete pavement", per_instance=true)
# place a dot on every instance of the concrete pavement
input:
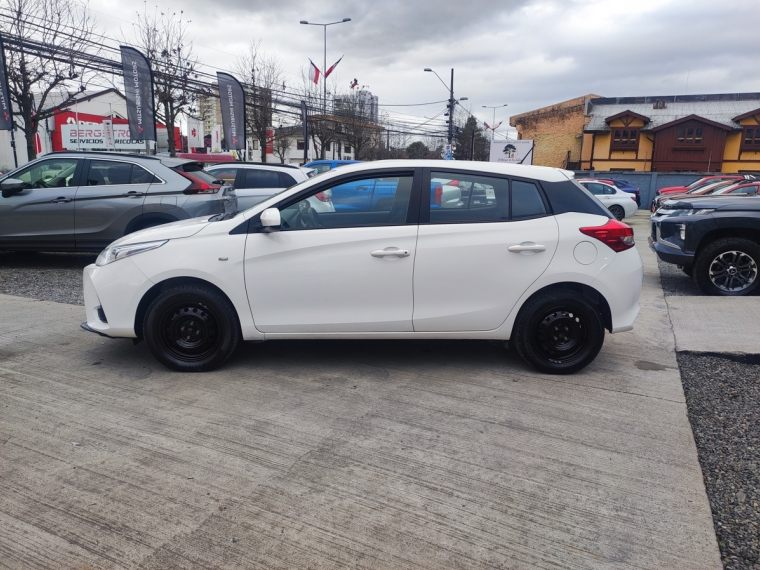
(333, 454)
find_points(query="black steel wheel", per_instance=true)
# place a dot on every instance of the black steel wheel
(617, 211)
(728, 267)
(559, 332)
(191, 328)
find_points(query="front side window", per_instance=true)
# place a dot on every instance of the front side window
(375, 201)
(57, 173)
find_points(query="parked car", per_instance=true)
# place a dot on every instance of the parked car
(321, 166)
(619, 202)
(715, 239)
(702, 190)
(82, 201)
(257, 181)
(625, 186)
(704, 181)
(543, 265)
(741, 189)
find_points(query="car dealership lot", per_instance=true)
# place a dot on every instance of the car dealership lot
(325, 454)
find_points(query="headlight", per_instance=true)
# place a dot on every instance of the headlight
(111, 254)
(681, 229)
(686, 212)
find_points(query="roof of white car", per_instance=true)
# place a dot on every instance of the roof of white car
(545, 173)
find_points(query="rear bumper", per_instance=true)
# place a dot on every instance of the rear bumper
(620, 283)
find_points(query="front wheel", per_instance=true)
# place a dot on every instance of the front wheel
(191, 328)
(618, 212)
(558, 332)
(728, 267)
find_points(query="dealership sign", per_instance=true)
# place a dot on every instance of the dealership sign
(97, 136)
(514, 152)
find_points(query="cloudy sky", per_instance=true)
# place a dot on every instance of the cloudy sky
(526, 53)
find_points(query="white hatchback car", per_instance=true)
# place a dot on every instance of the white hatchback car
(541, 264)
(622, 204)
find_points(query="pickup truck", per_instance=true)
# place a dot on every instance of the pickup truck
(715, 239)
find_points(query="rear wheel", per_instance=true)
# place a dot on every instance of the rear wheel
(559, 332)
(191, 328)
(617, 211)
(728, 267)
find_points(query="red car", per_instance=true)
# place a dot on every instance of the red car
(700, 183)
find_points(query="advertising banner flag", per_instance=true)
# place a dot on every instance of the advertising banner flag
(233, 110)
(6, 113)
(216, 138)
(138, 88)
(514, 152)
(195, 133)
(108, 134)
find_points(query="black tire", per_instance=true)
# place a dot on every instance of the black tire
(191, 328)
(577, 332)
(617, 211)
(728, 267)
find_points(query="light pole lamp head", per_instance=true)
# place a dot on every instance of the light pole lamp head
(463, 98)
(346, 19)
(427, 69)
(304, 22)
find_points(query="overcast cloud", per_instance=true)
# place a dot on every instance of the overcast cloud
(527, 53)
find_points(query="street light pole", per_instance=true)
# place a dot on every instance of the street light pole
(324, 58)
(452, 101)
(494, 107)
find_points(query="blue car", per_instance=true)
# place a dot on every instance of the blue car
(625, 186)
(321, 166)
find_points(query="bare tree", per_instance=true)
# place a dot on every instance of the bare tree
(354, 115)
(164, 40)
(41, 83)
(262, 74)
(323, 130)
(282, 143)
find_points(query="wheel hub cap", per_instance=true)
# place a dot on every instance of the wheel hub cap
(561, 334)
(733, 271)
(190, 332)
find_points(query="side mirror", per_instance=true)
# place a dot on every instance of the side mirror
(11, 186)
(270, 218)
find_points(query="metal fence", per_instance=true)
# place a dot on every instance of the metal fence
(646, 182)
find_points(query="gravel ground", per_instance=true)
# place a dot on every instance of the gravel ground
(723, 400)
(47, 276)
(676, 282)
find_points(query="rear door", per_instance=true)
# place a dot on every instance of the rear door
(41, 216)
(110, 197)
(476, 259)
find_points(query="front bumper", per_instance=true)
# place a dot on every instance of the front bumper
(669, 249)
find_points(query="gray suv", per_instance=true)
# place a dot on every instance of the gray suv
(82, 201)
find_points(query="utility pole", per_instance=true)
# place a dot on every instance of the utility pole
(451, 108)
(305, 133)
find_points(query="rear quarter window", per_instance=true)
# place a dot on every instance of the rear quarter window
(570, 196)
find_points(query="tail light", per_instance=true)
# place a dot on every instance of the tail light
(197, 185)
(438, 194)
(453, 183)
(633, 198)
(617, 235)
(325, 196)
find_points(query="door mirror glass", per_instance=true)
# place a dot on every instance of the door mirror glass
(270, 218)
(11, 186)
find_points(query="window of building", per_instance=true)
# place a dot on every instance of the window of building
(751, 138)
(347, 148)
(625, 139)
(299, 145)
(255, 144)
(328, 146)
(689, 135)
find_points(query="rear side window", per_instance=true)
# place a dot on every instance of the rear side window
(465, 198)
(142, 176)
(286, 180)
(261, 179)
(108, 173)
(570, 196)
(526, 200)
(226, 174)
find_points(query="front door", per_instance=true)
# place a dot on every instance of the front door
(41, 216)
(110, 197)
(335, 272)
(477, 256)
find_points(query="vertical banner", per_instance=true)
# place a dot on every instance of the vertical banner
(6, 112)
(195, 133)
(233, 110)
(138, 88)
(305, 123)
(216, 139)
(108, 136)
(270, 140)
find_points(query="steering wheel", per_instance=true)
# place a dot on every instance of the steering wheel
(39, 184)
(307, 217)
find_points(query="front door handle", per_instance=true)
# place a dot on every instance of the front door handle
(535, 247)
(133, 194)
(61, 199)
(390, 251)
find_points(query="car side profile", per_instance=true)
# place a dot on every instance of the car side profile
(620, 203)
(541, 264)
(77, 201)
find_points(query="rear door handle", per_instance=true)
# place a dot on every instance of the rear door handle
(133, 194)
(61, 199)
(390, 251)
(526, 247)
